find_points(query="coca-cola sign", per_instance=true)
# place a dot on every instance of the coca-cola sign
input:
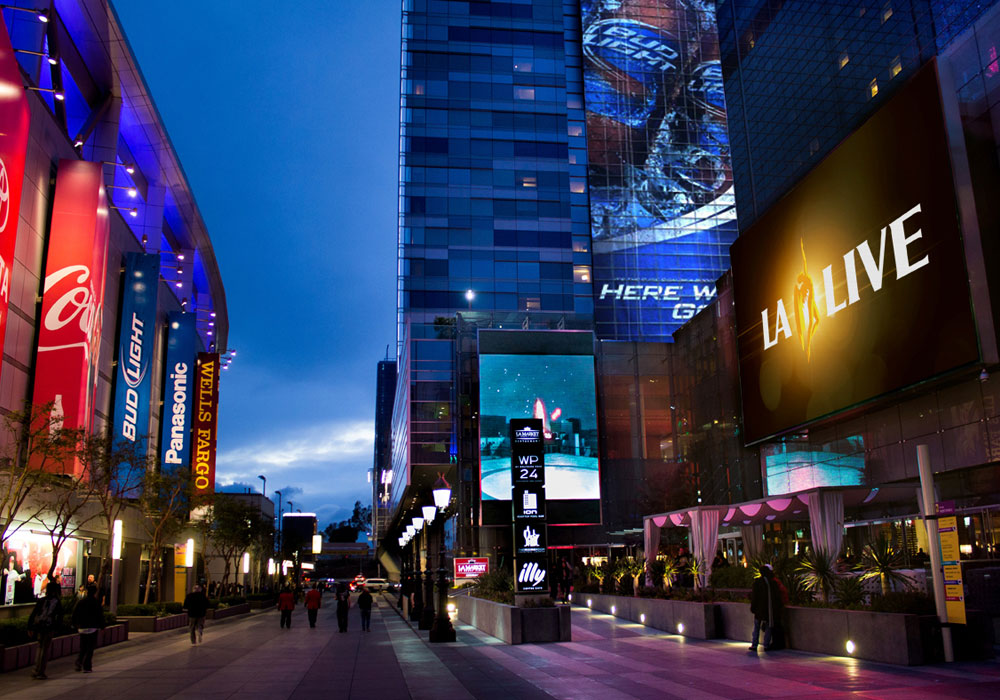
(69, 340)
(471, 567)
(14, 124)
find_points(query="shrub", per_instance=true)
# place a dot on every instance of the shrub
(137, 610)
(261, 596)
(849, 591)
(14, 632)
(110, 618)
(169, 608)
(545, 602)
(731, 577)
(911, 602)
(233, 600)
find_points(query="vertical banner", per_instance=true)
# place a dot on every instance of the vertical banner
(136, 337)
(954, 589)
(527, 465)
(69, 337)
(205, 422)
(14, 124)
(178, 393)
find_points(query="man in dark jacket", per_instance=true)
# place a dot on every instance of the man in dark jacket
(314, 600)
(765, 604)
(88, 619)
(196, 606)
(365, 606)
(42, 624)
(286, 604)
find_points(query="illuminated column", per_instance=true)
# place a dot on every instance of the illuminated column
(116, 557)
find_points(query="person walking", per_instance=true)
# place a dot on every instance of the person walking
(42, 623)
(765, 605)
(314, 601)
(365, 601)
(196, 606)
(88, 619)
(286, 603)
(343, 605)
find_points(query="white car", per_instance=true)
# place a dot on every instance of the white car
(376, 584)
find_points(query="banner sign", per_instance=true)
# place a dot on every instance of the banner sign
(471, 567)
(69, 336)
(954, 589)
(205, 422)
(662, 209)
(527, 464)
(178, 392)
(136, 338)
(854, 284)
(15, 121)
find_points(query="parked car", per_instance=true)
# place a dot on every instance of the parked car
(376, 584)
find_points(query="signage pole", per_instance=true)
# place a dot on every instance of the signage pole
(527, 461)
(934, 545)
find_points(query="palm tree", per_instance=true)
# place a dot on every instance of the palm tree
(880, 559)
(818, 573)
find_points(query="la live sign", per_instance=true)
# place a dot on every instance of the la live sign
(471, 567)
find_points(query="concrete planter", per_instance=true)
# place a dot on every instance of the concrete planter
(516, 625)
(113, 634)
(261, 604)
(149, 623)
(231, 611)
(690, 619)
(24, 655)
(21, 656)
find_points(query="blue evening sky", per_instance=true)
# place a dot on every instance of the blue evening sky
(285, 118)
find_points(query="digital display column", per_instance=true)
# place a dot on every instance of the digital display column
(527, 478)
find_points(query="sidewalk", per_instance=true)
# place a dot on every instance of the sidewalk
(249, 658)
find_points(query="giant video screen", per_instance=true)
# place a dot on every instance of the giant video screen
(854, 284)
(661, 188)
(560, 390)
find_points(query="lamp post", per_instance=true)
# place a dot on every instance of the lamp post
(417, 609)
(278, 543)
(263, 489)
(116, 556)
(189, 562)
(442, 630)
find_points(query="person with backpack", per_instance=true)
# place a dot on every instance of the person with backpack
(42, 624)
(88, 619)
(196, 606)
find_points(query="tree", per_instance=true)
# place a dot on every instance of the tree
(164, 503)
(347, 530)
(881, 559)
(116, 469)
(69, 506)
(230, 528)
(31, 441)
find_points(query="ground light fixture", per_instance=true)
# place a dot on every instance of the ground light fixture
(441, 492)
(429, 513)
(849, 646)
(589, 602)
(613, 609)
(642, 618)
(680, 628)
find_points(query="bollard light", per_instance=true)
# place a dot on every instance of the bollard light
(246, 562)
(189, 553)
(116, 540)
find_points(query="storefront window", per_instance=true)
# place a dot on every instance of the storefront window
(27, 559)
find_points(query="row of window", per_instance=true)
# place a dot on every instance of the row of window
(497, 301)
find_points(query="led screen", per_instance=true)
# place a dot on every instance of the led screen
(560, 390)
(790, 468)
(854, 284)
(661, 194)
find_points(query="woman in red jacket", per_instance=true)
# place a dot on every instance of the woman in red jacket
(286, 603)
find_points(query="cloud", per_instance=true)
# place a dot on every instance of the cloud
(330, 443)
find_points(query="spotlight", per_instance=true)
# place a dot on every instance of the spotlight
(680, 628)
(180, 256)
(849, 646)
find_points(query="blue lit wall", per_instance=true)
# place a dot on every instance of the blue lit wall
(661, 194)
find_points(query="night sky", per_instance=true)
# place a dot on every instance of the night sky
(285, 119)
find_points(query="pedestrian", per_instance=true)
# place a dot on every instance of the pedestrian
(314, 601)
(365, 606)
(286, 603)
(765, 605)
(196, 605)
(343, 605)
(565, 579)
(42, 624)
(88, 619)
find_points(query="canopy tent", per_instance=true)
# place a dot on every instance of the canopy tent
(822, 507)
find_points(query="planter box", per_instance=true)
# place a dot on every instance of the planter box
(113, 634)
(687, 618)
(148, 623)
(516, 625)
(261, 604)
(231, 611)
(18, 657)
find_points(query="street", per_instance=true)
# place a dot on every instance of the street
(608, 660)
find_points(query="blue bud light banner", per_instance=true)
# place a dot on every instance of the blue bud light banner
(662, 208)
(178, 397)
(136, 338)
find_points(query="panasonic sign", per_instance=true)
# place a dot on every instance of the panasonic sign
(175, 420)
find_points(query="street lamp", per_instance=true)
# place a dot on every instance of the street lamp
(442, 630)
(429, 513)
(279, 519)
(189, 561)
(263, 489)
(116, 556)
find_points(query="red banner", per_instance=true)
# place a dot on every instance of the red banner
(471, 567)
(69, 337)
(206, 416)
(14, 124)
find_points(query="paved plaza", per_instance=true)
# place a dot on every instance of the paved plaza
(252, 658)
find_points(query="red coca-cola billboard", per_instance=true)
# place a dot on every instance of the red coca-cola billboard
(69, 337)
(471, 567)
(14, 124)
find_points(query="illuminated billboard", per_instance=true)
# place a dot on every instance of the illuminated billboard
(559, 389)
(792, 467)
(854, 284)
(661, 194)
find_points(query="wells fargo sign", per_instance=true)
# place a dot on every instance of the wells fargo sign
(206, 414)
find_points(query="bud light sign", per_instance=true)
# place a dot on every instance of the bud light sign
(471, 567)
(136, 336)
(69, 336)
(178, 392)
